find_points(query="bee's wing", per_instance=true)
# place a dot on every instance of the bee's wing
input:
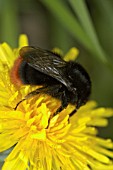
(45, 62)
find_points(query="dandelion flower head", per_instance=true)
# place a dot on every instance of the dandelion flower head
(41, 140)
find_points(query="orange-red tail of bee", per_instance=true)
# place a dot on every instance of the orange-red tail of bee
(14, 73)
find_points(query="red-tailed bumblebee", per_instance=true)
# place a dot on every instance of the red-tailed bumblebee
(66, 81)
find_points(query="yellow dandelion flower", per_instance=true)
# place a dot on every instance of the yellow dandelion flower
(42, 140)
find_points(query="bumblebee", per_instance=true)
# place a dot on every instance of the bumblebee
(67, 81)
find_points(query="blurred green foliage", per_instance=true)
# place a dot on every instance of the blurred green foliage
(88, 25)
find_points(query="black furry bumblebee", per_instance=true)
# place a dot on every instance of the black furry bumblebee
(66, 81)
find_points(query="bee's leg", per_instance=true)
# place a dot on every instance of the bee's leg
(28, 96)
(18, 103)
(78, 104)
(56, 91)
(64, 102)
(73, 112)
(35, 92)
(51, 90)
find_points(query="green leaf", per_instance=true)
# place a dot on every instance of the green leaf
(82, 12)
(67, 19)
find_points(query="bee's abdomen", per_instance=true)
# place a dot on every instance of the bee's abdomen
(29, 75)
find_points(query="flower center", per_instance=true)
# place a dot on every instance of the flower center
(37, 122)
